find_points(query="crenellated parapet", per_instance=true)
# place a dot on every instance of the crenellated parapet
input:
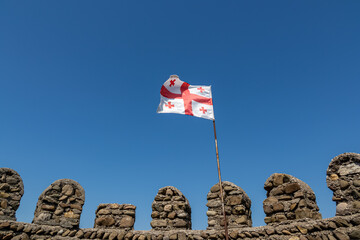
(288, 198)
(237, 207)
(11, 191)
(60, 204)
(170, 210)
(119, 216)
(290, 207)
(343, 178)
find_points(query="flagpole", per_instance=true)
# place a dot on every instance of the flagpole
(220, 183)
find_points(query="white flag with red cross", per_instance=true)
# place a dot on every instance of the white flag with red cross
(180, 97)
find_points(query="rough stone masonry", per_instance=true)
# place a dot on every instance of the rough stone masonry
(237, 207)
(170, 210)
(11, 191)
(343, 178)
(288, 198)
(60, 204)
(117, 216)
(290, 208)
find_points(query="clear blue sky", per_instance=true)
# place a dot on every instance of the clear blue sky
(80, 83)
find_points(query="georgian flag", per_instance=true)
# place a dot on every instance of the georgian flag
(180, 97)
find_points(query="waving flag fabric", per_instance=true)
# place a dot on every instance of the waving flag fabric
(180, 97)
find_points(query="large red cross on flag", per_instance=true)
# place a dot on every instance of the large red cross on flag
(180, 97)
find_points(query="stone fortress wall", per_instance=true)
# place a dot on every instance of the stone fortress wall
(290, 207)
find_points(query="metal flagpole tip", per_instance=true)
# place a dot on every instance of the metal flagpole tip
(174, 76)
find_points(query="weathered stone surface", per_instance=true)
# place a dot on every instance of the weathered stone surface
(341, 235)
(67, 190)
(158, 223)
(171, 210)
(211, 213)
(71, 214)
(341, 208)
(179, 223)
(292, 187)
(355, 234)
(215, 188)
(213, 203)
(237, 207)
(115, 216)
(212, 222)
(234, 200)
(127, 222)
(346, 168)
(48, 207)
(333, 177)
(104, 221)
(11, 191)
(3, 204)
(241, 220)
(356, 183)
(155, 214)
(60, 204)
(278, 180)
(168, 208)
(172, 215)
(288, 198)
(302, 229)
(173, 236)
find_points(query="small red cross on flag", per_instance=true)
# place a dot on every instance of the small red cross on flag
(180, 97)
(169, 105)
